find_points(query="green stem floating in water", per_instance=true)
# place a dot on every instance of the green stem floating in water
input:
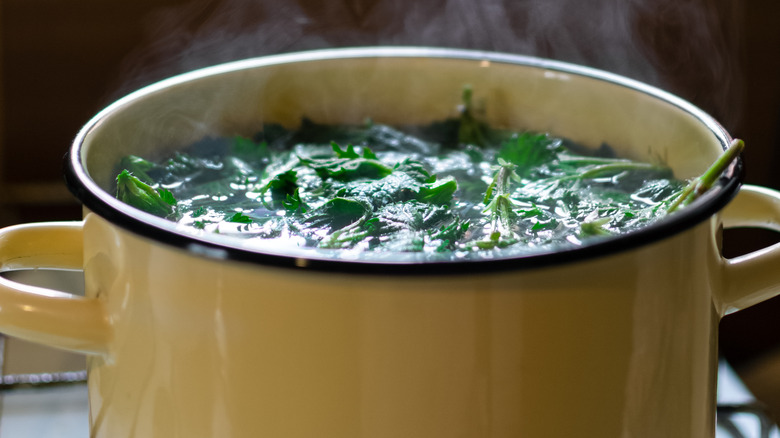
(471, 130)
(500, 206)
(699, 185)
(615, 168)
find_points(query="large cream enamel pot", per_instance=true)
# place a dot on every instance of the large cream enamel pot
(197, 336)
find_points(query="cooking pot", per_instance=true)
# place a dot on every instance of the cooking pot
(197, 335)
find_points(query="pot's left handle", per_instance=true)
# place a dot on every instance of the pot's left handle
(46, 316)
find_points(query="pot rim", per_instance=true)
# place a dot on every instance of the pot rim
(164, 231)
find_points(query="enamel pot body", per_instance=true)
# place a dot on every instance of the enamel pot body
(194, 335)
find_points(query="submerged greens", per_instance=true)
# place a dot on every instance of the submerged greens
(456, 187)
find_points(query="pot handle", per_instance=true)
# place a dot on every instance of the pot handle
(45, 316)
(753, 277)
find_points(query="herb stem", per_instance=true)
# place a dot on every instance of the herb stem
(701, 184)
(500, 206)
(613, 168)
(470, 131)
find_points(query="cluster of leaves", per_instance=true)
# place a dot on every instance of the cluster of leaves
(379, 192)
(557, 194)
(206, 181)
(335, 198)
(354, 199)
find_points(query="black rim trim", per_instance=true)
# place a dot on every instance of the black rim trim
(161, 230)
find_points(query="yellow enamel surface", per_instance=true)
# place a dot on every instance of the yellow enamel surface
(621, 346)
(753, 277)
(45, 316)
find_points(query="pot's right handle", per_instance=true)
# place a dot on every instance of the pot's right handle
(753, 277)
(45, 316)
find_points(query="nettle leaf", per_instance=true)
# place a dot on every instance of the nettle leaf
(167, 196)
(439, 192)
(449, 234)
(396, 187)
(415, 169)
(408, 180)
(405, 241)
(529, 150)
(348, 153)
(131, 190)
(139, 167)
(548, 224)
(294, 204)
(538, 218)
(347, 165)
(412, 216)
(338, 213)
(240, 218)
(282, 185)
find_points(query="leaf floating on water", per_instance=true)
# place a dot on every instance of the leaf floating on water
(528, 151)
(338, 213)
(240, 218)
(131, 190)
(465, 188)
(348, 165)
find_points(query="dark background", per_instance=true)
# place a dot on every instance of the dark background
(63, 60)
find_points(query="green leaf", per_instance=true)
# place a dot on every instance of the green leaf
(450, 234)
(438, 193)
(282, 185)
(544, 224)
(396, 187)
(139, 167)
(411, 216)
(405, 241)
(241, 218)
(528, 151)
(347, 165)
(413, 168)
(349, 153)
(166, 196)
(526, 213)
(294, 204)
(338, 213)
(131, 190)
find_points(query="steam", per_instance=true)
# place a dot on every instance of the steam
(684, 46)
